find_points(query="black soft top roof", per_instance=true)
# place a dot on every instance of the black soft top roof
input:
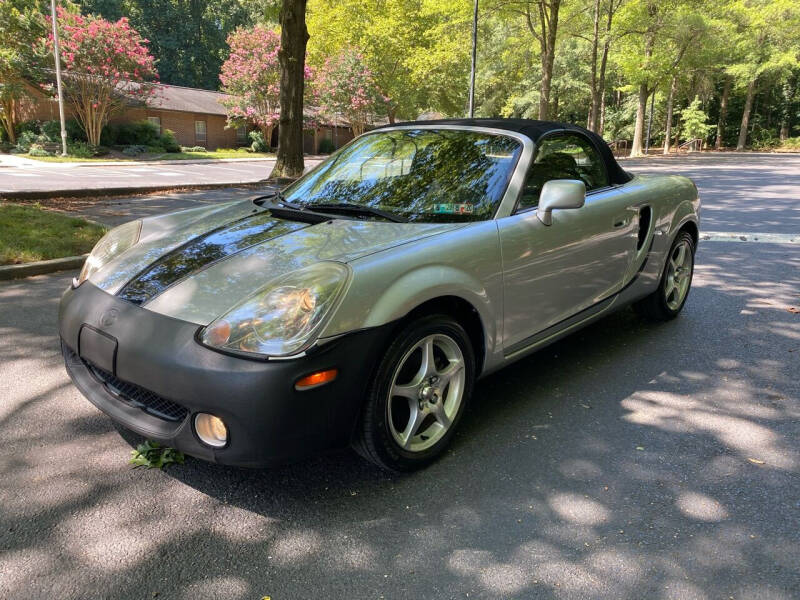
(535, 130)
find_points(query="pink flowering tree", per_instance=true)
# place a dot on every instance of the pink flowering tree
(104, 66)
(251, 77)
(345, 86)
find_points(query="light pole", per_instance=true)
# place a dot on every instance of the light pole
(57, 56)
(474, 57)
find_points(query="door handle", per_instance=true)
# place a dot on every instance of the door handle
(620, 223)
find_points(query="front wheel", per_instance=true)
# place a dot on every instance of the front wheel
(673, 289)
(418, 396)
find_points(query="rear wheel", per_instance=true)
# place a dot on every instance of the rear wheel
(673, 289)
(418, 395)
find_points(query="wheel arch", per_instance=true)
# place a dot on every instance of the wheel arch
(464, 313)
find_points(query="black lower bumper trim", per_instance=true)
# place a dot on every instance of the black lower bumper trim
(269, 422)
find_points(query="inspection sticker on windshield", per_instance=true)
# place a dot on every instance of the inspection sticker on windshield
(465, 208)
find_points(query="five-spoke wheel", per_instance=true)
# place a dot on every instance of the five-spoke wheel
(667, 301)
(418, 396)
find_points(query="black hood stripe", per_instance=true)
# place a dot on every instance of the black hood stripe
(201, 252)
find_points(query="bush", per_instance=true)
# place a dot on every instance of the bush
(37, 150)
(32, 126)
(52, 129)
(258, 145)
(168, 141)
(134, 150)
(27, 138)
(193, 149)
(138, 133)
(791, 143)
(81, 150)
(156, 149)
(326, 146)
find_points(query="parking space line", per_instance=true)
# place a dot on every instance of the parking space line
(764, 238)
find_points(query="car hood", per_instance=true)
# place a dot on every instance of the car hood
(195, 265)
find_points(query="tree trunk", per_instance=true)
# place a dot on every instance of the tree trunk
(292, 59)
(8, 117)
(547, 79)
(638, 132)
(723, 112)
(391, 111)
(748, 105)
(549, 34)
(591, 121)
(668, 126)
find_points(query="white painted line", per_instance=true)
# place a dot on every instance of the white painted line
(764, 238)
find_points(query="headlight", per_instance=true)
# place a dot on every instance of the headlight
(284, 316)
(111, 245)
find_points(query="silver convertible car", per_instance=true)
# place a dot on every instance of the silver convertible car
(359, 305)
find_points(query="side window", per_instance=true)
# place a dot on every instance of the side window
(565, 156)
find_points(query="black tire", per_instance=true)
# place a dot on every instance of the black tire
(374, 438)
(655, 306)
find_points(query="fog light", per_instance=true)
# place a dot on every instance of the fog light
(211, 430)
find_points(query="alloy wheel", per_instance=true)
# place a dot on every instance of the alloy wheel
(426, 392)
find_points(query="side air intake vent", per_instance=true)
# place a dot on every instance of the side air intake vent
(645, 214)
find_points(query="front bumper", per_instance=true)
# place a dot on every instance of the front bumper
(111, 347)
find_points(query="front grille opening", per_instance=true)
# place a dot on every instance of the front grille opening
(137, 396)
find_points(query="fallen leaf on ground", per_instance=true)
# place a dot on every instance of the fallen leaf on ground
(755, 461)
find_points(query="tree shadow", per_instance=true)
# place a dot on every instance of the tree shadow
(614, 463)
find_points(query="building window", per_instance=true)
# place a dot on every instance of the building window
(241, 135)
(200, 132)
(157, 122)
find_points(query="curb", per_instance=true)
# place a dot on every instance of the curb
(41, 267)
(125, 191)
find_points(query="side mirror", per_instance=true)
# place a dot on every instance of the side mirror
(560, 193)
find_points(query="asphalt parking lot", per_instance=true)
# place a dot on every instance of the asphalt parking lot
(629, 460)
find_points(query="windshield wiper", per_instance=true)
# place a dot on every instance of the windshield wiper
(281, 200)
(345, 207)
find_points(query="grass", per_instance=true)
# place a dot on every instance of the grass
(216, 155)
(30, 233)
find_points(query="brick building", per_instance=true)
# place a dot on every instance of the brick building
(198, 118)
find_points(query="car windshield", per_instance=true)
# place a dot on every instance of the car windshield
(420, 175)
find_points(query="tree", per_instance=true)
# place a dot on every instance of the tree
(345, 86)
(694, 120)
(767, 44)
(292, 58)
(251, 78)
(22, 57)
(187, 37)
(417, 52)
(105, 65)
(541, 20)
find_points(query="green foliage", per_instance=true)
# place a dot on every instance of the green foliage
(326, 146)
(791, 143)
(187, 39)
(153, 455)
(80, 149)
(27, 138)
(134, 150)
(258, 142)
(694, 120)
(137, 133)
(168, 141)
(38, 150)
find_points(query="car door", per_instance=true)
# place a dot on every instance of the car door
(553, 272)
